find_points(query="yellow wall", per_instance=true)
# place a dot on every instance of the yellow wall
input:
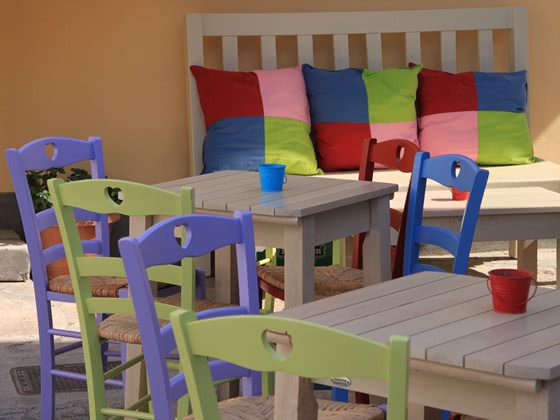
(115, 68)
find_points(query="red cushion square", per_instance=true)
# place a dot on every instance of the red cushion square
(341, 144)
(443, 92)
(239, 94)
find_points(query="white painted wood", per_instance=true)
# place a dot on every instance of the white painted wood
(448, 44)
(268, 52)
(413, 49)
(486, 50)
(374, 51)
(474, 353)
(229, 53)
(341, 52)
(305, 49)
(304, 25)
(257, 24)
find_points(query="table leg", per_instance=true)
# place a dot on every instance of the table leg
(227, 291)
(376, 251)
(299, 262)
(225, 274)
(294, 397)
(557, 263)
(527, 256)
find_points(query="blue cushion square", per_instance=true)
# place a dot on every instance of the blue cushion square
(234, 144)
(336, 96)
(505, 92)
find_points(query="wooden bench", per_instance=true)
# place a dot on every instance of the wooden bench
(376, 40)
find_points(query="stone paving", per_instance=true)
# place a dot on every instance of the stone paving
(19, 345)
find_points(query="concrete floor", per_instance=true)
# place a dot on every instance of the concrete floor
(19, 344)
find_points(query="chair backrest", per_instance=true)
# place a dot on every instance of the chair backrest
(43, 154)
(242, 340)
(158, 247)
(393, 154)
(451, 170)
(134, 199)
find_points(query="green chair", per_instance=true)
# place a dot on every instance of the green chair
(317, 352)
(134, 200)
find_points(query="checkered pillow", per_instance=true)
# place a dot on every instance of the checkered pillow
(255, 117)
(476, 114)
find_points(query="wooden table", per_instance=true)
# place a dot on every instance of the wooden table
(524, 215)
(309, 211)
(465, 356)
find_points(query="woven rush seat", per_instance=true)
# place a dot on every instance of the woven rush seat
(124, 328)
(262, 408)
(329, 280)
(102, 286)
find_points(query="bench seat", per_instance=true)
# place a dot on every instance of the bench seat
(543, 174)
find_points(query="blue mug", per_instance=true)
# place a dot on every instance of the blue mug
(273, 176)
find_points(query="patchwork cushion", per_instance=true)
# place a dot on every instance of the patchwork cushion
(350, 105)
(255, 117)
(476, 114)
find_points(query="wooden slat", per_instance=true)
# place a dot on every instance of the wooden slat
(413, 48)
(356, 297)
(414, 309)
(195, 50)
(450, 326)
(374, 51)
(321, 199)
(493, 330)
(493, 359)
(380, 305)
(486, 50)
(449, 51)
(341, 52)
(257, 24)
(268, 52)
(536, 364)
(430, 339)
(230, 53)
(305, 49)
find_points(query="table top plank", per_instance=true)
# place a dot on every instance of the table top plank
(450, 331)
(299, 186)
(539, 363)
(392, 301)
(456, 327)
(360, 296)
(413, 309)
(522, 200)
(492, 332)
(325, 197)
(228, 191)
(493, 359)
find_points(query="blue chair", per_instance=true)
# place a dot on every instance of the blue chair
(156, 250)
(38, 155)
(455, 171)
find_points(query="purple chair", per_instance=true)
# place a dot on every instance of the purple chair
(157, 248)
(36, 156)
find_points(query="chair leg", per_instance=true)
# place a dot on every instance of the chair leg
(47, 360)
(339, 394)
(268, 303)
(362, 398)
